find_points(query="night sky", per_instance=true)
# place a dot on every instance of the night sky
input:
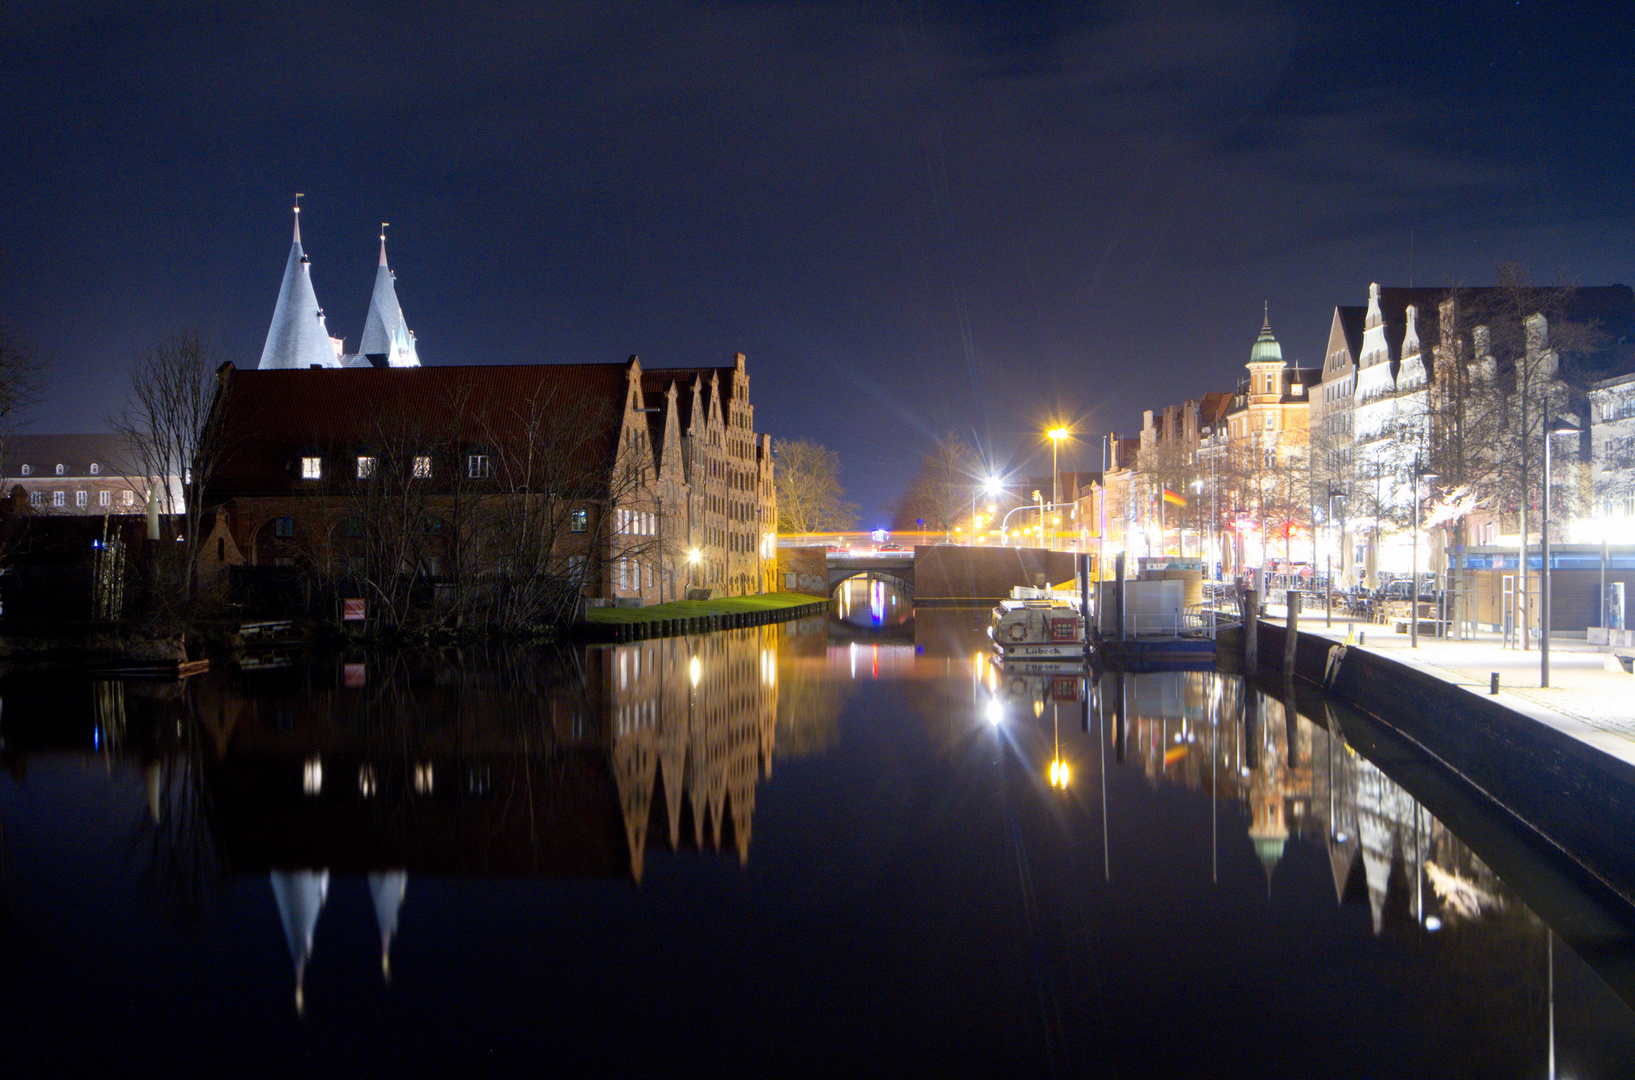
(913, 217)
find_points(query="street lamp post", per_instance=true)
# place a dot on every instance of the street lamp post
(1056, 435)
(1328, 569)
(991, 487)
(1551, 430)
(1413, 585)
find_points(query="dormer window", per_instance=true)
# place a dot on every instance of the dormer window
(312, 467)
(59, 470)
(95, 468)
(27, 470)
(1297, 390)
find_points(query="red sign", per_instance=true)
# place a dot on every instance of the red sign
(352, 610)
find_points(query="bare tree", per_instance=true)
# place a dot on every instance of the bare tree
(810, 497)
(166, 420)
(939, 493)
(22, 377)
(498, 518)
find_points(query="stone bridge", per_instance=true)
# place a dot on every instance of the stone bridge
(941, 573)
(892, 567)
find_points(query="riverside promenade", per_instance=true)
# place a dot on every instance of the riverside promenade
(1584, 700)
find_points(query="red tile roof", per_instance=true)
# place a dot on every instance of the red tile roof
(268, 417)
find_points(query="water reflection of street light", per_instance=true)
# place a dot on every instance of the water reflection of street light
(1551, 430)
(1060, 774)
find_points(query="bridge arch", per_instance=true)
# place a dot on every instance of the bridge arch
(904, 582)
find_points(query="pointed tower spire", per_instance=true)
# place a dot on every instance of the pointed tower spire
(1266, 309)
(298, 336)
(387, 339)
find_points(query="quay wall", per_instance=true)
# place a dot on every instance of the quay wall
(1577, 798)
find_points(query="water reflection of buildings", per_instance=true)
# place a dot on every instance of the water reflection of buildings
(1294, 779)
(514, 764)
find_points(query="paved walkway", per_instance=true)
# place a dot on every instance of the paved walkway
(1584, 699)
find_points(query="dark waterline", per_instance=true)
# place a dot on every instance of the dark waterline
(819, 848)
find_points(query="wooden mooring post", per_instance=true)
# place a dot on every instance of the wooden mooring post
(1251, 619)
(1291, 632)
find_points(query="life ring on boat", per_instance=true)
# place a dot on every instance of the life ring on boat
(1018, 631)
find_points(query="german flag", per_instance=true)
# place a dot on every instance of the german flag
(1173, 498)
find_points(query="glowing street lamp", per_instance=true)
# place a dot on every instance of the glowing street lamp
(991, 487)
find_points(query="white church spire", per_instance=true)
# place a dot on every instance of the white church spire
(387, 339)
(298, 336)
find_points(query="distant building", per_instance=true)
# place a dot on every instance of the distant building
(90, 474)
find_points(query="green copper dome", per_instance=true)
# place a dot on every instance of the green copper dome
(1266, 350)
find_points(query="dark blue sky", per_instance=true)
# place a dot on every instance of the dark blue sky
(913, 217)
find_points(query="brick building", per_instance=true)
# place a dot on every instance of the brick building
(617, 482)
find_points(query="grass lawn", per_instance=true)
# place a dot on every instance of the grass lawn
(687, 609)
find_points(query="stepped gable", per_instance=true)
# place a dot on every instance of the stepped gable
(268, 416)
(298, 336)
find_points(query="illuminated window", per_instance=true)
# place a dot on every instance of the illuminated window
(578, 520)
(81, 498)
(130, 498)
(478, 467)
(58, 498)
(104, 498)
(422, 466)
(312, 776)
(366, 467)
(312, 468)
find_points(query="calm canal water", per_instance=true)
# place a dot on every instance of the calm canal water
(832, 847)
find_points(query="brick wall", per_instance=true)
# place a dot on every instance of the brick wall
(977, 573)
(803, 570)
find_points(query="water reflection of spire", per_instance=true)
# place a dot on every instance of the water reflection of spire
(300, 895)
(386, 891)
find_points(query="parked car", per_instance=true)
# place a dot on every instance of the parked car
(1401, 588)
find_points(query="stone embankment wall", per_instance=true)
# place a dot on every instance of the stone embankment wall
(1577, 798)
(949, 574)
